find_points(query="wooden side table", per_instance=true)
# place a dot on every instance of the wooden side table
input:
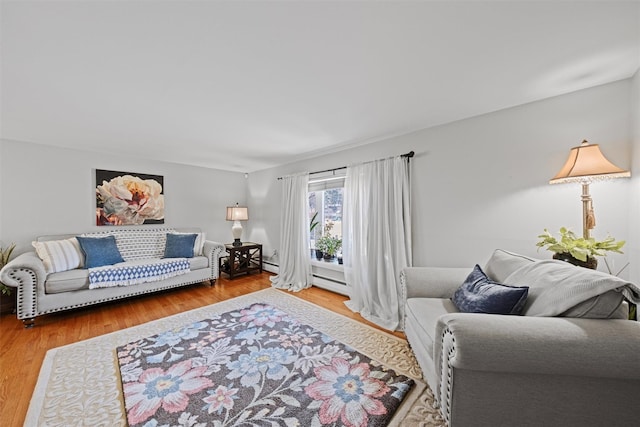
(243, 259)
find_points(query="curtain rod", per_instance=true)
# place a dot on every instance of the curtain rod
(408, 155)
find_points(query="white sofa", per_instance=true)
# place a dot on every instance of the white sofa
(39, 292)
(534, 369)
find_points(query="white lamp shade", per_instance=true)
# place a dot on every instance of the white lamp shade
(237, 213)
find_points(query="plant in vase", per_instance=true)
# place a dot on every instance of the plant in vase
(7, 305)
(5, 254)
(578, 250)
(328, 244)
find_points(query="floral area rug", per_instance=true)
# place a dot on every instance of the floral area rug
(79, 384)
(255, 366)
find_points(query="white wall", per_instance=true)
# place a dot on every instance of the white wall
(50, 190)
(2, 191)
(482, 183)
(634, 195)
(478, 184)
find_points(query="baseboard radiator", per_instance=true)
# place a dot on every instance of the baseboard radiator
(319, 280)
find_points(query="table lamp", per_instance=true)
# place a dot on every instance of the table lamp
(236, 214)
(585, 164)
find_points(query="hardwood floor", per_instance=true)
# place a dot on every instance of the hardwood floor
(22, 350)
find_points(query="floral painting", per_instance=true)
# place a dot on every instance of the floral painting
(125, 198)
(255, 366)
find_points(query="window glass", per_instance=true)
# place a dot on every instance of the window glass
(325, 211)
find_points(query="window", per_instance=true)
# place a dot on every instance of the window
(325, 208)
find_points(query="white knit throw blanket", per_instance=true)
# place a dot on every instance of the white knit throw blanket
(556, 286)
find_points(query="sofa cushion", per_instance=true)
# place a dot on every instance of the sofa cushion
(66, 281)
(502, 263)
(75, 280)
(59, 255)
(137, 244)
(558, 288)
(99, 251)
(198, 262)
(479, 294)
(423, 314)
(179, 245)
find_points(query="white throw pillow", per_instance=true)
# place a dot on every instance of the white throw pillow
(60, 255)
(198, 247)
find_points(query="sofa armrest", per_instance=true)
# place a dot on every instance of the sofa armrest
(604, 348)
(213, 251)
(431, 282)
(11, 275)
(25, 272)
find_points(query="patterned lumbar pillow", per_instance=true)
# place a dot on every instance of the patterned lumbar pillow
(59, 255)
(100, 251)
(479, 294)
(180, 245)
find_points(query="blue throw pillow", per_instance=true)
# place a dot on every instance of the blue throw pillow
(99, 251)
(179, 245)
(479, 294)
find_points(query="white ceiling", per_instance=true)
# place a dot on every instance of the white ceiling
(244, 86)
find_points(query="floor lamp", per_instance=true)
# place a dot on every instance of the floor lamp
(585, 164)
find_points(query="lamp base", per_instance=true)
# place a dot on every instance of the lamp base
(236, 232)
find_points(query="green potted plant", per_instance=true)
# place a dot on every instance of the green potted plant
(313, 232)
(7, 304)
(313, 223)
(578, 250)
(328, 244)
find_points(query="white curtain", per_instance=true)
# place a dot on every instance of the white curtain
(377, 238)
(295, 267)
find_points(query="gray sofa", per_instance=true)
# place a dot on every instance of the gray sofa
(542, 368)
(40, 292)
